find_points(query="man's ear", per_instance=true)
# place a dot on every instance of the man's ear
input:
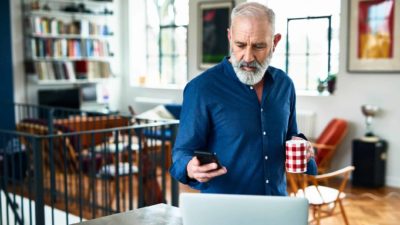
(229, 34)
(277, 38)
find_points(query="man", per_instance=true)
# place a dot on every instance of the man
(243, 110)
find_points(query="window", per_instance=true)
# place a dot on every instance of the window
(308, 58)
(164, 44)
(308, 50)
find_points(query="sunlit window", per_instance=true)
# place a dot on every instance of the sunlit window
(165, 43)
(308, 50)
(310, 57)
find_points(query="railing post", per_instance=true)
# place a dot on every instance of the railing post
(174, 183)
(140, 168)
(38, 173)
(53, 192)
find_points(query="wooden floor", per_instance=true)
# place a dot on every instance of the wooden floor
(370, 207)
(363, 206)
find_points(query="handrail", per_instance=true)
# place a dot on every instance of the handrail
(124, 128)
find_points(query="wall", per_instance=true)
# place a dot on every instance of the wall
(6, 84)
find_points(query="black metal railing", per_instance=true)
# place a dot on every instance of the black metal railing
(83, 172)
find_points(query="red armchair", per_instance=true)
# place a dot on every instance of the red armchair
(328, 142)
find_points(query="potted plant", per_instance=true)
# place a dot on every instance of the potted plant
(321, 85)
(331, 83)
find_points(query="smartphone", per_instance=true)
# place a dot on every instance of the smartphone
(206, 157)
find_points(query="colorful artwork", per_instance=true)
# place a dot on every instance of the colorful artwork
(376, 29)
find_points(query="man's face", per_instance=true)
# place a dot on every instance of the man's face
(252, 43)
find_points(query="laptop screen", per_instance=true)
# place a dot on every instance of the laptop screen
(222, 209)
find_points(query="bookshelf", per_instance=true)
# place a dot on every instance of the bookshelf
(68, 42)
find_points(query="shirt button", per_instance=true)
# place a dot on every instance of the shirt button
(266, 157)
(262, 110)
(251, 87)
(264, 133)
(267, 181)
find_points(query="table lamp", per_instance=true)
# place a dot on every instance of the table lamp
(369, 111)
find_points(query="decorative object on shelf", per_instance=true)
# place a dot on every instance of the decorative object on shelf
(77, 8)
(373, 30)
(369, 111)
(213, 45)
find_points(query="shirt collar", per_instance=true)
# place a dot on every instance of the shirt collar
(270, 74)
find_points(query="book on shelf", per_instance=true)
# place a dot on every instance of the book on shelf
(98, 70)
(43, 47)
(69, 71)
(50, 71)
(55, 70)
(54, 26)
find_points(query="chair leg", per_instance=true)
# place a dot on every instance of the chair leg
(319, 215)
(314, 215)
(343, 212)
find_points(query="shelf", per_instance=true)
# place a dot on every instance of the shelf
(65, 82)
(72, 36)
(54, 13)
(312, 93)
(82, 1)
(64, 59)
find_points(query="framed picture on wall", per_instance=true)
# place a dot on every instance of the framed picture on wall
(213, 43)
(374, 34)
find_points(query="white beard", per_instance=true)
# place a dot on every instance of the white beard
(250, 77)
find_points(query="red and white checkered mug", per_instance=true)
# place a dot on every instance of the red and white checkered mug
(296, 156)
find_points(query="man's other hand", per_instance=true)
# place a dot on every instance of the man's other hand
(203, 173)
(310, 149)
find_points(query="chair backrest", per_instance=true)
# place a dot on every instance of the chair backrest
(62, 148)
(88, 123)
(328, 142)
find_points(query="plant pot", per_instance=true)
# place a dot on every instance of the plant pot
(321, 87)
(331, 85)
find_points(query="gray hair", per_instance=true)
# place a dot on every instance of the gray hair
(254, 10)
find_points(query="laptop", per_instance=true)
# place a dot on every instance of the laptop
(223, 209)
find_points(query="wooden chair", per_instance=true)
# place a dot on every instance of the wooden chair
(328, 142)
(322, 199)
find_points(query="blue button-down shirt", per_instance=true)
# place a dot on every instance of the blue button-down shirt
(222, 115)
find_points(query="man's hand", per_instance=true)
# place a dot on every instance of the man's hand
(203, 173)
(310, 149)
